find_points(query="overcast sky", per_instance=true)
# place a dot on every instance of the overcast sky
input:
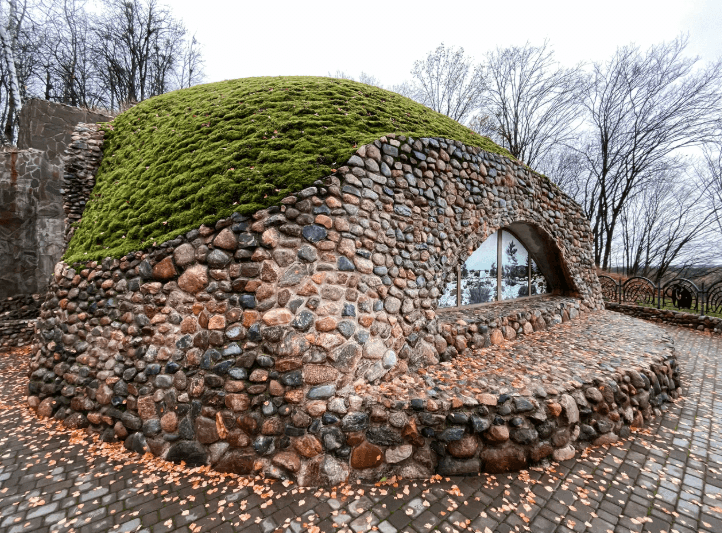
(245, 38)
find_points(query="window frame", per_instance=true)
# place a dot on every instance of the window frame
(499, 277)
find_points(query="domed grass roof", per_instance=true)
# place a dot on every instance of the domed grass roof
(196, 155)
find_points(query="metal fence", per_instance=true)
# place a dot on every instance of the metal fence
(679, 293)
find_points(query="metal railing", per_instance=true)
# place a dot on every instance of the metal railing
(679, 293)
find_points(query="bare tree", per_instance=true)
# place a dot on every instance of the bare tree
(531, 104)
(447, 82)
(642, 108)
(668, 224)
(8, 41)
(712, 169)
(138, 46)
(190, 71)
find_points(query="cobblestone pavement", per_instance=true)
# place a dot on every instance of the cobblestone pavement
(667, 477)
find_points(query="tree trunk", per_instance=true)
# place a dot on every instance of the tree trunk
(13, 86)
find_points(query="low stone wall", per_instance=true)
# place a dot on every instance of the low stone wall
(472, 328)
(709, 324)
(17, 320)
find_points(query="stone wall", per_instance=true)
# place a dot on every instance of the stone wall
(241, 344)
(31, 221)
(32, 218)
(17, 320)
(48, 126)
(709, 324)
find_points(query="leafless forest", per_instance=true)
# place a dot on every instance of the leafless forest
(635, 138)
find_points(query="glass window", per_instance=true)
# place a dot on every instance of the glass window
(448, 299)
(478, 279)
(539, 283)
(515, 268)
(478, 274)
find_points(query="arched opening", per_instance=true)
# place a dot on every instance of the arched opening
(518, 261)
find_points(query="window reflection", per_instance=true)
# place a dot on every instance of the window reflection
(515, 268)
(479, 276)
(448, 299)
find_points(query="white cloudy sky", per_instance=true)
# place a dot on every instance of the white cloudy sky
(383, 38)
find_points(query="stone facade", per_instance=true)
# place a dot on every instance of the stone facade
(48, 126)
(709, 324)
(32, 219)
(241, 345)
(17, 320)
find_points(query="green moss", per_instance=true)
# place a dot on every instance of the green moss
(196, 155)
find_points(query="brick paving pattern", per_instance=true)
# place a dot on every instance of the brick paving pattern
(667, 477)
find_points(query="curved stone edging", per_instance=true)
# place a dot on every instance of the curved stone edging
(709, 324)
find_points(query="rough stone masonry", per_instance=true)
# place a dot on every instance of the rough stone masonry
(240, 345)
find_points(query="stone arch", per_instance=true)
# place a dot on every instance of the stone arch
(540, 245)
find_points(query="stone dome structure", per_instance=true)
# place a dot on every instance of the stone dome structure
(238, 338)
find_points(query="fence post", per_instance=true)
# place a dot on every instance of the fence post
(659, 294)
(702, 300)
(619, 291)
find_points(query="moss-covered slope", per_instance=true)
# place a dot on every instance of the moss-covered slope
(194, 156)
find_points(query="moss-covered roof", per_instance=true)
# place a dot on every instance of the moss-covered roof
(196, 155)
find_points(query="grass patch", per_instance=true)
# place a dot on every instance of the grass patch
(196, 155)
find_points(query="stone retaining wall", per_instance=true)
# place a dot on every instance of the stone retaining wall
(472, 328)
(17, 320)
(83, 157)
(240, 345)
(676, 318)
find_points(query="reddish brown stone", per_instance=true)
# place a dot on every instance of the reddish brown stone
(272, 426)
(206, 431)
(411, 434)
(316, 408)
(366, 455)
(234, 386)
(327, 323)
(104, 394)
(189, 325)
(248, 424)
(496, 336)
(317, 374)
(286, 365)
(554, 409)
(288, 460)
(540, 451)
(507, 459)
(250, 318)
(498, 434)
(194, 279)
(308, 446)
(217, 322)
(309, 288)
(464, 448)
(226, 239)
(169, 422)
(275, 388)
(238, 402)
(277, 317)
(236, 462)
(165, 269)
(146, 408)
(294, 396)
(238, 439)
